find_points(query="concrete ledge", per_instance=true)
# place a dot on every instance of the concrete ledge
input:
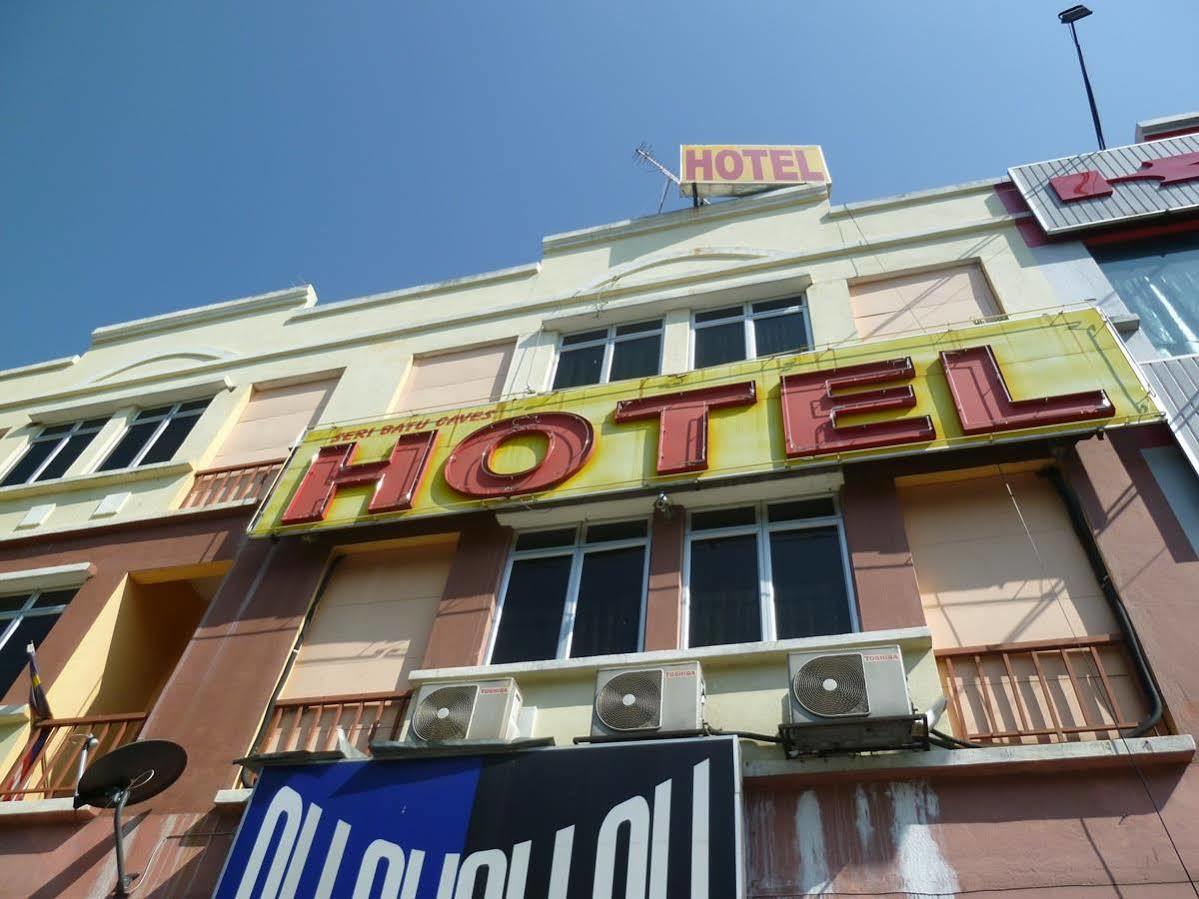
(14, 714)
(232, 798)
(53, 577)
(994, 760)
(22, 813)
(96, 479)
(911, 638)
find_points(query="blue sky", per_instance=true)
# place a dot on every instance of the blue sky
(157, 154)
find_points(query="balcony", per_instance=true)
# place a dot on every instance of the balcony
(1051, 691)
(55, 770)
(311, 724)
(231, 484)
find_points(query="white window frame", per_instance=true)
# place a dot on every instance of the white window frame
(747, 317)
(11, 620)
(577, 551)
(167, 417)
(62, 439)
(761, 529)
(608, 342)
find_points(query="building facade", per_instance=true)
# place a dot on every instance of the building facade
(715, 443)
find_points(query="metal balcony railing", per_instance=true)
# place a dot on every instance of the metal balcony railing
(310, 724)
(232, 484)
(55, 770)
(1049, 691)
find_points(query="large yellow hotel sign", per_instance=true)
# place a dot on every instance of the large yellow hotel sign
(1028, 377)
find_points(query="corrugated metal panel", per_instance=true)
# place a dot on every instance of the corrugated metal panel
(1177, 384)
(1130, 199)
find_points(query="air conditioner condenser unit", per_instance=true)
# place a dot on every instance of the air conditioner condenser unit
(849, 700)
(650, 700)
(466, 712)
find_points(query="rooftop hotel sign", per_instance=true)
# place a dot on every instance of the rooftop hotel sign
(731, 170)
(1027, 377)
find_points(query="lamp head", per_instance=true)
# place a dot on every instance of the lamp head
(1073, 14)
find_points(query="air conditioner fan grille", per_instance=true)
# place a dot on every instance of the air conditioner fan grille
(631, 700)
(445, 713)
(832, 686)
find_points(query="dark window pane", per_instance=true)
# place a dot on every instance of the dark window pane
(810, 599)
(55, 431)
(804, 508)
(639, 327)
(716, 314)
(585, 337)
(608, 611)
(14, 660)
(636, 358)
(10, 604)
(780, 334)
(170, 440)
(771, 305)
(69, 453)
(129, 446)
(53, 598)
(546, 539)
(618, 530)
(1159, 281)
(531, 619)
(94, 424)
(719, 344)
(725, 600)
(722, 518)
(34, 456)
(155, 413)
(195, 405)
(578, 367)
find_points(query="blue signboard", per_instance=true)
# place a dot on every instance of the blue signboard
(657, 819)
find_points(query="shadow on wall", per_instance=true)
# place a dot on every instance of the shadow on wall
(96, 859)
(153, 626)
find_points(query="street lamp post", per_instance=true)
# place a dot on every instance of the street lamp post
(1069, 17)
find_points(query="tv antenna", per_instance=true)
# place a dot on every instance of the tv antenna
(645, 155)
(126, 776)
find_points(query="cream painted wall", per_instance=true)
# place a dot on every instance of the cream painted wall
(662, 265)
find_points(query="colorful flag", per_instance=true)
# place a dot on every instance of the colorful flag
(39, 707)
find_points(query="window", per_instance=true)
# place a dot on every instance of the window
(461, 378)
(52, 452)
(767, 572)
(274, 419)
(750, 331)
(1160, 283)
(24, 619)
(154, 435)
(921, 302)
(610, 354)
(574, 592)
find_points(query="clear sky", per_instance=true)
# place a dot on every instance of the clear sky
(160, 154)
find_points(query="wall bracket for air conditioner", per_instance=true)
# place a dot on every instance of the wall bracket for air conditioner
(847, 737)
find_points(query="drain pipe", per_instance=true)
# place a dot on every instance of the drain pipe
(1082, 530)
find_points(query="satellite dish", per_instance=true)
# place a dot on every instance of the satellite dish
(126, 776)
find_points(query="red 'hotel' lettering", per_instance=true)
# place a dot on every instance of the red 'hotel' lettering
(812, 408)
(395, 479)
(683, 421)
